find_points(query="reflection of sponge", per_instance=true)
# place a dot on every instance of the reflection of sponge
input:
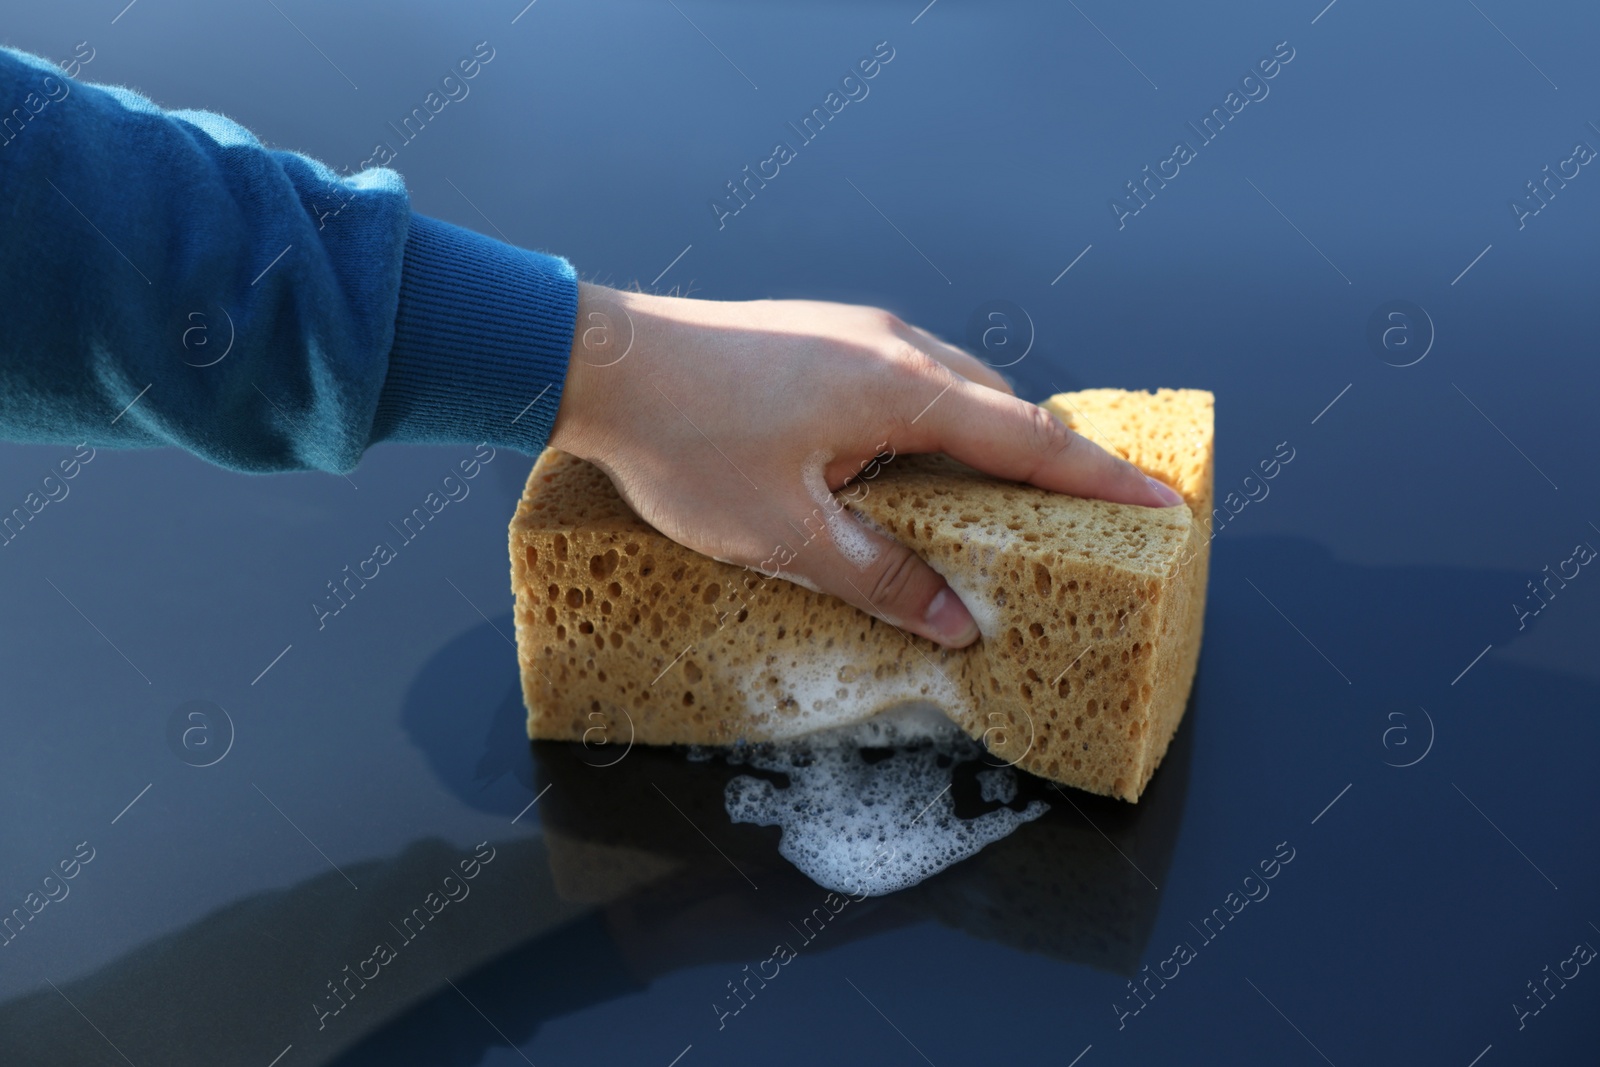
(1090, 611)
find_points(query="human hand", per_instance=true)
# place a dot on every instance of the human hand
(726, 425)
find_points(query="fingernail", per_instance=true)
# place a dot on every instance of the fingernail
(950, 620)
(1170, 497)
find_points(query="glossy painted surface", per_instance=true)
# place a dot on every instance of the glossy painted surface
(1371, 701)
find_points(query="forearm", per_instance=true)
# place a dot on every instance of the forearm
(173, 281)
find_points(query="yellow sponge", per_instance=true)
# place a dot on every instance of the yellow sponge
(1090, 612)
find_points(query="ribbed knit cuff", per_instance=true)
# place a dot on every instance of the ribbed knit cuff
(481, 339)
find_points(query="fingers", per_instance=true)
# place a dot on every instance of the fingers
(956, 359)
(881, 576)
(1014, 439)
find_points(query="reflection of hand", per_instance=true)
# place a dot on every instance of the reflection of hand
(727, 426)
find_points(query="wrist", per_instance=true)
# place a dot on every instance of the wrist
(603, 337)
(618, 337)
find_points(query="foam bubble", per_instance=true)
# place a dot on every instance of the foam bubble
(826, 688)
(848, 537)
(876, 825)
(984, 546)
(904, 725)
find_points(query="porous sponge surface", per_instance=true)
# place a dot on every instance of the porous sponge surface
(1090, 611)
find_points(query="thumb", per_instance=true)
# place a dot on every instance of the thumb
(882, 577)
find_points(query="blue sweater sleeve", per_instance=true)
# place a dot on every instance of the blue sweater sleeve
(169, 280)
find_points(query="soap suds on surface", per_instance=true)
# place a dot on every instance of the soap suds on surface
(870, 807)
(848, 537)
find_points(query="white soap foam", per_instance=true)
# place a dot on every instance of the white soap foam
(983, 547)
(997, 787)
(907, 724)
(825, 688)
(848, 537)
(876, 826)
(800, 580)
